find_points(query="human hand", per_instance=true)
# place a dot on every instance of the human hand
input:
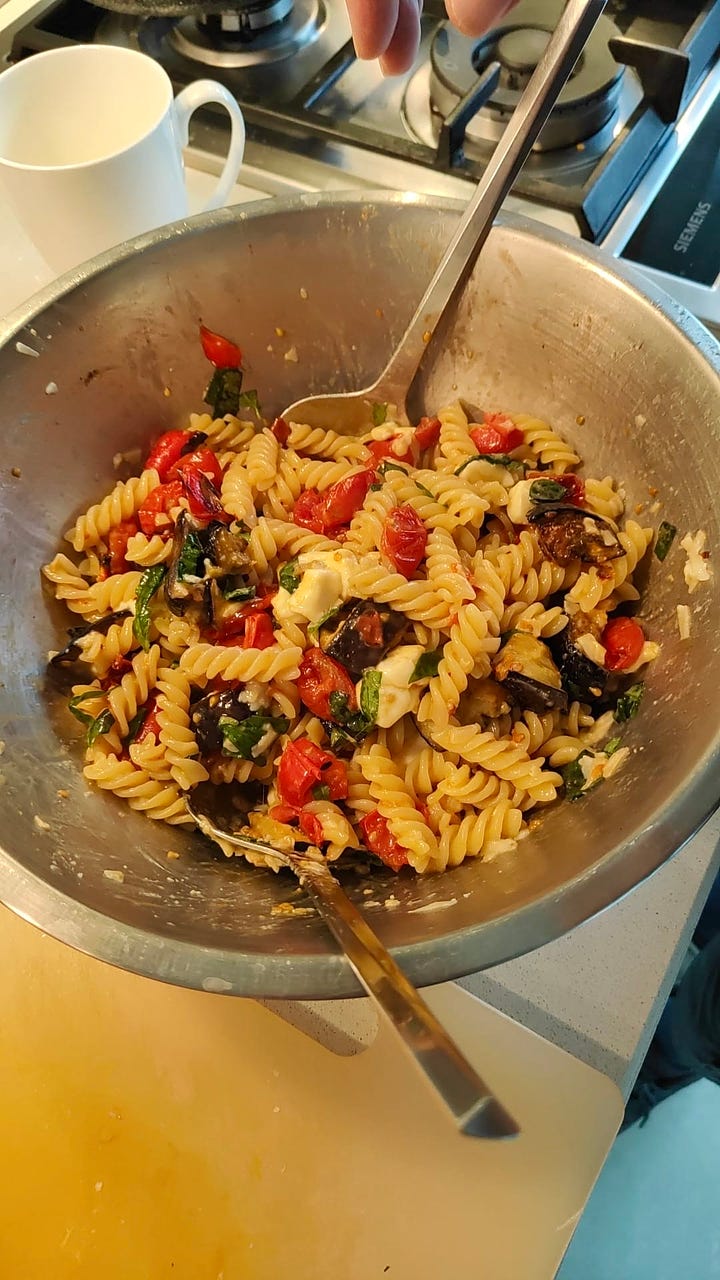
(390, 29)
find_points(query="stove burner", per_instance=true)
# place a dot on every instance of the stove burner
(249, 37)
(587, 102)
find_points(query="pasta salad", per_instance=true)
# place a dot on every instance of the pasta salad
(407, 643)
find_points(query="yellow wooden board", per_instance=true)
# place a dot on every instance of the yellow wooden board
(148, 1132)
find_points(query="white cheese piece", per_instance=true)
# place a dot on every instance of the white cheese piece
(683, 621)
(696, 569)
(616, 762)
(592, 649)
(117, 876)
(397, 695)
(519, 501)
(341, 561)
(254, 695)
(648, 653)
(40, 823)
(263, 743)
(390, 429)
(319, 591)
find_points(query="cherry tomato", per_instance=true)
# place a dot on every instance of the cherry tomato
(427, 432)
(404, 538)
(117, 669)
(166, 451)
(335, 778)
(280, 430)
(302, 766)
(622, 639)
(379, 449)
(202, 495)
(309, 511)
(220, 351)
(153, 515)
(258, 632)
(370, 628)
(380, 841)
(346, 497)
(203, 459)
(311, 826)
(118, 538)
(573, 485)
(262, 602)
(498, 434)
(320, 675)
(283, 813)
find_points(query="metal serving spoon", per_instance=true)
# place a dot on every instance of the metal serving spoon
(350, 413)
(475, 1111)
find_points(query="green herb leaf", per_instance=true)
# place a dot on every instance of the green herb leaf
(249, 400)
(146, 588)
(386, 465)
(87, 696)
(546, 491)
(190, 556)
(665, 538)
(100, 725)
(611, 747)
(223, 391)
(239, 737)
(338, 704)
(340, 739)
(288, 577)
(136, 724)
(422, 489)
(497, 459)
(370, 694)
(321, 792)
(379, 414)
(628, 704)
(374, 487)
(354, 724)
(240, 591)
(574, 778)
(314, 628)
(426, 665)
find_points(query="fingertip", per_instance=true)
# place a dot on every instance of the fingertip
(475, 17)
(403, 47)
(373, 25)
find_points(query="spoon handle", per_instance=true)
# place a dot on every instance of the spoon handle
(476, 1112)
(546, 82)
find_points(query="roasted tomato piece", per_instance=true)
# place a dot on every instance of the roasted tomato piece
(343, 499)
(404, 538)
(280, 430)
(202, 459)
(258, 632)
(303, 765)
(117, 539)
(380, 841)
(623, 640)
(220, 351)
(309, 511)
(496, 434)
(320, 676)
(153, 516)
(427, 432)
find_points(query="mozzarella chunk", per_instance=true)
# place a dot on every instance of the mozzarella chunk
(519, 501)
(397, 695)
(342, 562)
(319, 591)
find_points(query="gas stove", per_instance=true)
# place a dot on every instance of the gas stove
(629, 156)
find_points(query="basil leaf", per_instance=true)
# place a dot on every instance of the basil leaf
(426, 665)
(611, 747)
(547, 491)
(223, 391)
(146, 588)
(239, 737)
(338, 704)
(190, 557)
(665, 538)
(379, 414)
(340, 740)
(249, 400)
(370, 694)
(385, 465)
(136, 724)
(374, 487)
(497, 459)
(237, 593)
(288, 577)
(321, 792)
(100, 725)
(574, 778)
(628, 704)
(422, 489)
(314, 628)
(87, 696)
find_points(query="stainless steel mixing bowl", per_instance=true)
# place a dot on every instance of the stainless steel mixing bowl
(548, 326)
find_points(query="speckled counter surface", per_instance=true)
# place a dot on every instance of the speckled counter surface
(599, 991)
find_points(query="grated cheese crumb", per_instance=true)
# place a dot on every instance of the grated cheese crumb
(117, 876)
(683, 621)
(51, 389)
(304, 294)
(172, 854)
(40, 823)
(24, 350)
(696, 569)
(62, 794)
(616, 762)
(291, 355)
(592, 649)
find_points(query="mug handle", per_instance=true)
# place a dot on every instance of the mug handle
(199, 94)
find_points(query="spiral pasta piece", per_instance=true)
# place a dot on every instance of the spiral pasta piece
(119, 505)
(134, 688)
(547, 446)
(262, 461)
(148, 551)
(236, 493)
(395, 803)
(176, 734)
(156, 799)
(207, 662)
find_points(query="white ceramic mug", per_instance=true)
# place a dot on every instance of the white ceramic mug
(91, 146)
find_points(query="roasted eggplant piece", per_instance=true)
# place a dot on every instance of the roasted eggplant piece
(525, 668)
(581, 677)
(206, 713)
(568, 533)
(361, 634)
(482, 699)
(71, 653)
(227, 550)
(187, 544)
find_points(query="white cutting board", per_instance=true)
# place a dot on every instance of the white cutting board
(151, 1133)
